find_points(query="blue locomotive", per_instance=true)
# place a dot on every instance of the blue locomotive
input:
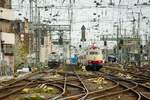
(112, 58)
(74, 60)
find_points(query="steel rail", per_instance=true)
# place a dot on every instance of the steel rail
(83, 84)
(15, 90)
(64, 89)
(127, 89)
(82, 87)
(144, 95)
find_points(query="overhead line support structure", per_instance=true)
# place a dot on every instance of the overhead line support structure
(70, 16)
(138, 42)
(30, 32)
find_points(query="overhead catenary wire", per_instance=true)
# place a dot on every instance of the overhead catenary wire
(104, 11)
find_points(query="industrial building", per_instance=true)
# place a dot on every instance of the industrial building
(7, 35)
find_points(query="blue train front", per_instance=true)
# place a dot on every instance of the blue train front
(74, 60)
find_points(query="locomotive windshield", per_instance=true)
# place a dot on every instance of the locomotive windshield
(93, 53)
(53, 56)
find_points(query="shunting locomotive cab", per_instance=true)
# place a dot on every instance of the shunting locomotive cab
(53, 60)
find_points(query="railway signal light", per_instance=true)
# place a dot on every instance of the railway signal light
(121, 42)
(114, 50)
(141, 48)
(119, 47)
(105, 43)
(42, 40)
(46, 8)
(80, 46)
(2, 46)
(83, 33)
(18, 26)
(60, 40)
(95, 1)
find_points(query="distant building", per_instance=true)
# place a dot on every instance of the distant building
(48, 45)
(5, 4)
(7, 35)
(45, 49)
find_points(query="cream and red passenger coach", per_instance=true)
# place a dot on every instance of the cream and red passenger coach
(92, 58)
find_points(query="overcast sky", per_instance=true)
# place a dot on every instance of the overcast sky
(85, 11)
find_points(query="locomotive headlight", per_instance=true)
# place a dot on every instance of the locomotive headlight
(50, 60)
(57, 60)
(89, 61)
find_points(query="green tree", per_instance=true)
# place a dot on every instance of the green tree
(20, 52)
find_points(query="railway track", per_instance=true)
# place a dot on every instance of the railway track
(73, 89)
(140, 76)
(121, 89)
(75, 86)
(86, 93)
(145, 95)
(10, 90)
(140, 90)
(144, 91)
(71, 84)
(19, 80)
(29, 81)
